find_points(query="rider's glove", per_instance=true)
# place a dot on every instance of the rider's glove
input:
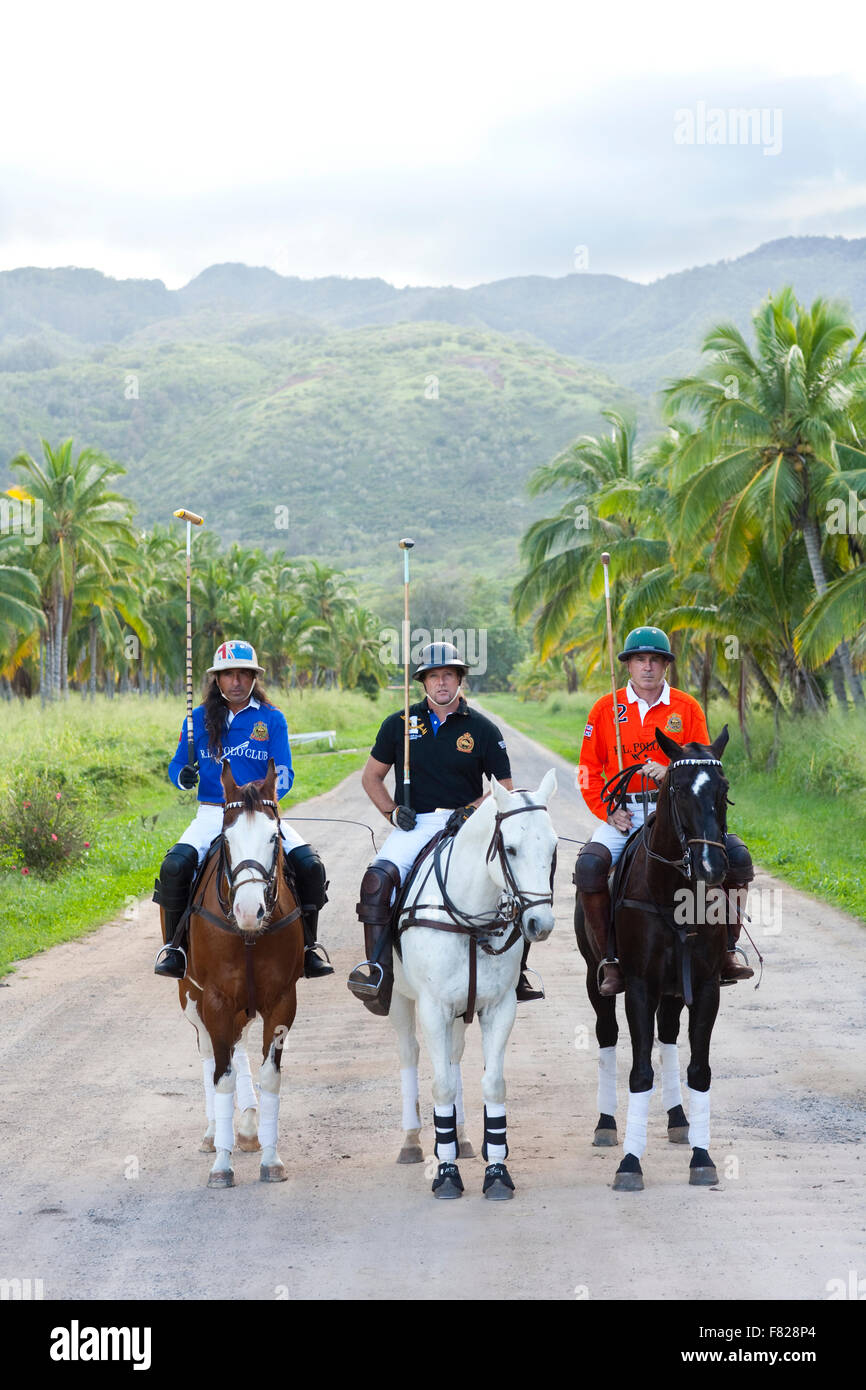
(458, 818)
(403, 817)
(188, 776)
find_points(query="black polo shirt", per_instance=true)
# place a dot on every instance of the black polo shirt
(446, 768)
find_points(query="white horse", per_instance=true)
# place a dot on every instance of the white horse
(497, 873)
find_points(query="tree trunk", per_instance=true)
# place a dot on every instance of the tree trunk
(92, 682)
(841, 668)
(570, 670)
(741, 710)
(763, 679)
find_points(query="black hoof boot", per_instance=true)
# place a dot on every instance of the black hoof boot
(448, 1183)
(498, 1186)
(678, 1126)
(605, 1133)
(173, 963)
(629, 1175)
(314, 966)
(702, 1170)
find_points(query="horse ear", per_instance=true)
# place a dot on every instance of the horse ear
(718, 745)
(547, 788)
(500, 795)
(230, 786)
(668, 746)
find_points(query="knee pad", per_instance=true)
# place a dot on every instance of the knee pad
(740, 869)
(379, 882)
(309, 873)
(592, 868)
(176, 873)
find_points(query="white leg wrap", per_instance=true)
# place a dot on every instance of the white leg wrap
(457, 1075)
(699, 1118)
(224, 1105)
(444, 1114)
(636, 1122)
(246, 1091)
(607, 1081)
(269, 1111)
(671, 1091)
(409, 1089)
(207, 1065)
(496, 1153)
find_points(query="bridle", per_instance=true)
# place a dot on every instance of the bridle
(614, 793)
(269, 877)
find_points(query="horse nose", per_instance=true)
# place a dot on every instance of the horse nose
(539, 924)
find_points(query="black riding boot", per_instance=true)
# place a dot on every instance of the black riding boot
(171, 891)
(524, 990)
(590, 876)
(374, 910)
(304, 865)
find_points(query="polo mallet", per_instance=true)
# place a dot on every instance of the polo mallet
(406, 545)
(191, 520)
(605, 560)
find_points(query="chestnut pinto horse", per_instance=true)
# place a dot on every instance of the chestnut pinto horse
(246, 952)
(669, 957)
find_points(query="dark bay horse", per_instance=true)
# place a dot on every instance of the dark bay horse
(671, 937)
(246, 953)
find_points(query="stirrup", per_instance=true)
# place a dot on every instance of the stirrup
(599, 974)
(366, 987)
(736, 979)
(168, 947)
(317, 946)
(533, 994)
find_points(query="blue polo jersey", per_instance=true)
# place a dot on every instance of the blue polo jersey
(258, 732)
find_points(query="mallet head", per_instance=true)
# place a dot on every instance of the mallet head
(189, 516)
(605, 558)
(406, 544)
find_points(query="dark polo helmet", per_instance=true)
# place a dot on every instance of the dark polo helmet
(437, 654)
(646, 639)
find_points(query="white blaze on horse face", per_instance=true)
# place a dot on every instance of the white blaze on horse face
(251, 837)
(700, 781)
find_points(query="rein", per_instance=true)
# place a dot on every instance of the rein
(480, 926)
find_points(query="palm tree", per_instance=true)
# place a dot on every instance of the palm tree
(771, 423)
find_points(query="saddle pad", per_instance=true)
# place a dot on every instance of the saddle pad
(399, 905)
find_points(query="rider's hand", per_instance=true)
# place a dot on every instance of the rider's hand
(188, 776)
(621, 819)
(654, 770)
(403, 817)
(458, 818)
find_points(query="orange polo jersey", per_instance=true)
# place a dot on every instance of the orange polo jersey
(682, 720)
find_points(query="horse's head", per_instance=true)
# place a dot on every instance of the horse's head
(251, 830)
(696, 790)
(521, 852)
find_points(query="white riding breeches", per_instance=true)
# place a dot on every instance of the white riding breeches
(614, 839)
(209, 822)
(402, 847)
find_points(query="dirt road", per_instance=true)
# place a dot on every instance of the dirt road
(103, 1190)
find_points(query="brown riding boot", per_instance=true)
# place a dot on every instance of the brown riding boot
(596, 910)
(736, 893)
(374, 910)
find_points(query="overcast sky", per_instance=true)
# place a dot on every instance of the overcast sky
(437, 143)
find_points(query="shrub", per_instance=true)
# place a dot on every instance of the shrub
(43, 829)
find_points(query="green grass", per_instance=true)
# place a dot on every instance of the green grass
(804, 820)
(120, 749)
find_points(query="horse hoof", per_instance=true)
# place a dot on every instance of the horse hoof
(223, 1177)
(605, 1139)
(703, 1177)
(498, 1186)
(412, 1153)
(628, 1182)
(448, 1184)
(207, 1146)
(248, 1144)
(466, 1150)
(272, 1172)
(678, 1134)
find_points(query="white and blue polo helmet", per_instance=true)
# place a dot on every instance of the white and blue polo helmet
(234, 656)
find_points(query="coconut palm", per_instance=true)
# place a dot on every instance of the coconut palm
(767, 446)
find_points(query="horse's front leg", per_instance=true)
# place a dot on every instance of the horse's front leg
(222, 1173)
(275, 1030)
(458, 1043)
(246, 1099)
(640, 1008)
(669, 1011)
(402, 1016)
(496, 1023)
(437, 1024)
(702, 1016)
(205, 1047)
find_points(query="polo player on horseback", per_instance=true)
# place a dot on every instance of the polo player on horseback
(453, 747)
(645, 701)
(236, 721)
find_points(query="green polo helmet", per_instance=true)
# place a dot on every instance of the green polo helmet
(647, 639)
